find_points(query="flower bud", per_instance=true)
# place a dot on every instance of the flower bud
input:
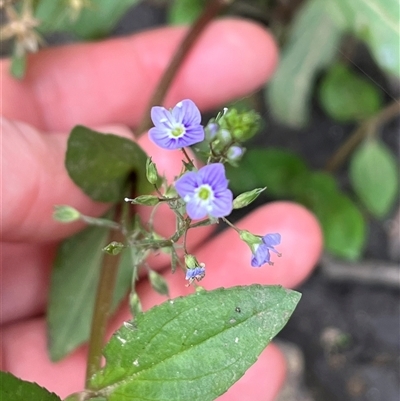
(135, 304)
(114, 248)
(158, 283)
(65, 214)
(246, 198)
(241, 125)
(147, 200)
(235, 153)
(211, 130)
(151, 171)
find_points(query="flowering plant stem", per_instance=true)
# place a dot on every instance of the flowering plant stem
(211, 10)
(105, 289)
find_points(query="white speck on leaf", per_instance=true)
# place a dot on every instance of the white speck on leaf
(136, 362)
(236, 340)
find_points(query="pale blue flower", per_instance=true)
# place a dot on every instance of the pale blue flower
(176, 128)
(261, 253)
(197, 274)
(206, 192)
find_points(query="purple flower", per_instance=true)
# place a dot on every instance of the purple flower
(176, 128)
(261, 254)
(205, 192)
(197, 274)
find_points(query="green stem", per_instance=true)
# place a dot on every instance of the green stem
(102, 307)
(211, 10)
(367, 127)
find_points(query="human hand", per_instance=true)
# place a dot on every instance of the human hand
(101, 85)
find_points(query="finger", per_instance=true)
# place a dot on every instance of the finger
(111, 81)
(36, 180)
(227, 258)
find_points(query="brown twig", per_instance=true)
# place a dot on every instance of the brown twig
(368, 127)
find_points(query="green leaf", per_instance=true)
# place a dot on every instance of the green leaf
(342, 223)
(194, 347)
(14, 389)
(346, 96)
(312, 44)
(72, 291)
(93, 22)
(276, 169)
(101, 163)
(73, 288)
(184, 11)
(374, 174)
(376, 22)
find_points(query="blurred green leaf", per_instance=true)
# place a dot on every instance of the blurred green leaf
(184, 11)
(73, 289)
(313, 42)
(96, 19)
(275, 169)
(376, 22)
(346, 96)
(374, 173)
(101, 163)
(14, 389)
(342, 223)
(195, 347)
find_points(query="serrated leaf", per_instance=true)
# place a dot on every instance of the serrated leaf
(73, 288)
(276, 169)
(96, 19)
(184, 11)
(312, 44)
(101, 163)
(346, 96)
(195, 347)
(342, 223)
(14, 389)
(374, 174)
(376, 22)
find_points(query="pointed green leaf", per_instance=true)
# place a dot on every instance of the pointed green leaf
(73, 288)
(195, 347)
(374, 173)
(101, 163)
(312, 44)
(14, 389)
(346, 96)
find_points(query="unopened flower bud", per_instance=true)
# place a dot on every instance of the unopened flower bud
(147, 200)
(246, 198)
(114, 248)
(151, 171)
(135, 304)
(158, 283)
(235, 153)
(65, 214)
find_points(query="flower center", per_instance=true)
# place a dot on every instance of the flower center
(178, 131)
(204, 193)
